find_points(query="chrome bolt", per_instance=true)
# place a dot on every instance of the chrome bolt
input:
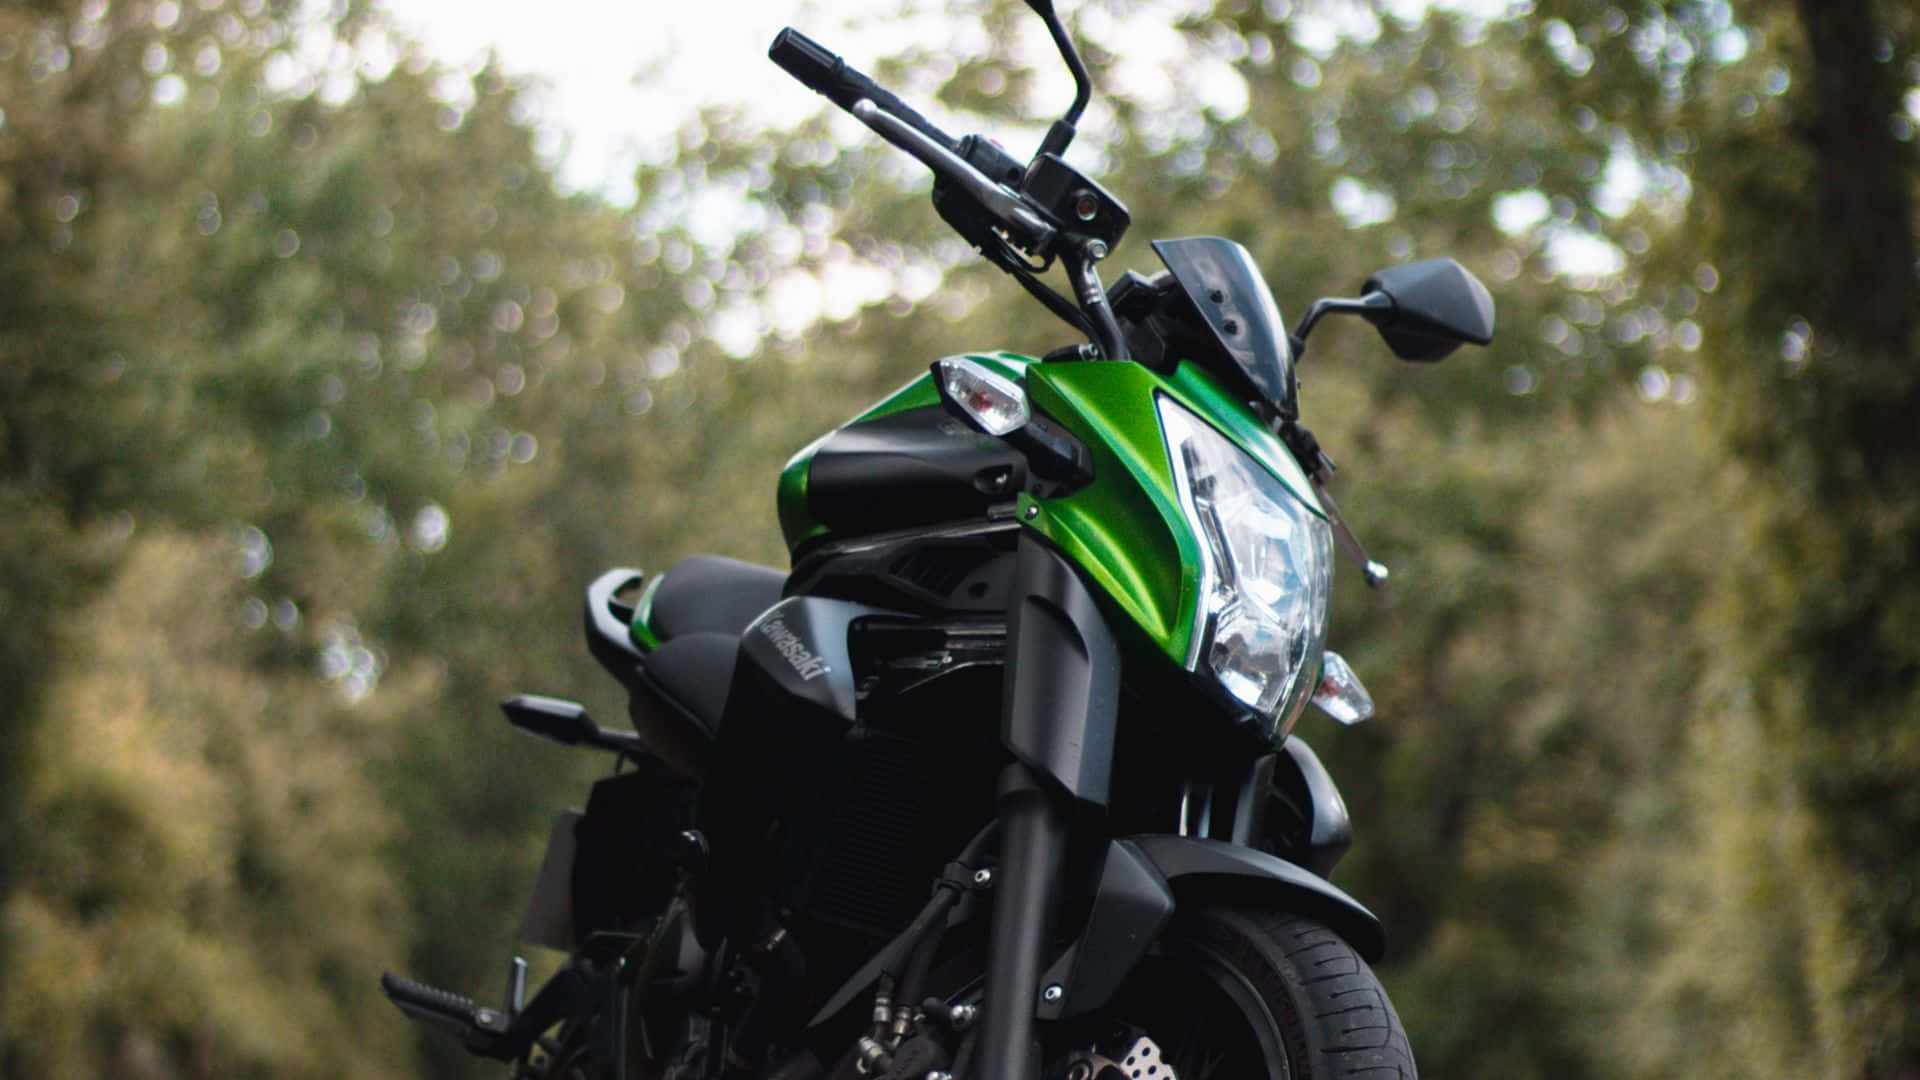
(1086, 207)
(982, 877)
(1053, 993)
(1032, 512)
(1096, 250)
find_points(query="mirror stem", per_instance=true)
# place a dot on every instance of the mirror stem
(1063, 130)
(1371, 307)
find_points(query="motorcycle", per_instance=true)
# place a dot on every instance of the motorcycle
(997, 781)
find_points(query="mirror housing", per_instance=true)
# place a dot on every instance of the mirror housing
(1435, 306)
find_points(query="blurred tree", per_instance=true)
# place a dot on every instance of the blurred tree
(1810, 210)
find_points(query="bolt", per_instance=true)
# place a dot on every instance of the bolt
(1096, 250)
(1053, 993)
(1216, 296)
(1085, 206)
(1032, 512)
(1231, 326)
(983, 876)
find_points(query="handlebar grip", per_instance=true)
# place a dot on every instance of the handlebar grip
(822, 71)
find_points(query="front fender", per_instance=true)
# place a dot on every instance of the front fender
(1191, 863)
(1143, 881)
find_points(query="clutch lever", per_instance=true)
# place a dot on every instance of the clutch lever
(1023, 225)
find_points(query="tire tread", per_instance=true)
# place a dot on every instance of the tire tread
(1349, 1027)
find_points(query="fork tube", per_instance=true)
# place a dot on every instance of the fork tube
(1058, 711)
(1034, 828)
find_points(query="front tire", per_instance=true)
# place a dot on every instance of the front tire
(1244, 992)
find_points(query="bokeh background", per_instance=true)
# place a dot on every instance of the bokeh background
(322, 395)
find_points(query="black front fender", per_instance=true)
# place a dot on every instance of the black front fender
(1191, 864)
(1145, 879)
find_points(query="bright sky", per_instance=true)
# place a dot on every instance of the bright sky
(590, 54)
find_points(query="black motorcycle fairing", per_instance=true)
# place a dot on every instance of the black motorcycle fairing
(1062, 696)
(913, 467)
(1232, 299)
(1131, 902)
(1239, 872)
(789, 707)
(801, 643)
(936, 569)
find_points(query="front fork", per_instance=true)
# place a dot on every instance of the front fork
(1058, 718)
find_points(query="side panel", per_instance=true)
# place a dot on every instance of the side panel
(788, 710)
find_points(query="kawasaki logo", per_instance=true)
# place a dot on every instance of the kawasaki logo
(805, 664)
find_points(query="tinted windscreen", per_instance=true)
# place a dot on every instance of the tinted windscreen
(1233, 299)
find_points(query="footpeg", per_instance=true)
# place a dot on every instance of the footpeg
(479, 1027)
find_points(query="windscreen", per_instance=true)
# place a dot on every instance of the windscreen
(1226, 287)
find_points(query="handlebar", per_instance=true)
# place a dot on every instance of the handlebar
(818, 68)
(825, 73)
(985, 203)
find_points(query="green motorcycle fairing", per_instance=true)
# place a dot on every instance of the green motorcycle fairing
(1125, 529)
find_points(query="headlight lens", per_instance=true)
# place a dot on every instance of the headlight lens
(1267, 568)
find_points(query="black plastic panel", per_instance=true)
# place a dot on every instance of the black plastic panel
(910, 468)
(1063, 687)
(1245, 875)
(966, 567)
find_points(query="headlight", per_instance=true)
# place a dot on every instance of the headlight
(1266, 569)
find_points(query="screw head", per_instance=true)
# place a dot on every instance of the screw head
(1053, 993)
(1096, 250)
(1085, 206)
(982, 876)
(1032, 512)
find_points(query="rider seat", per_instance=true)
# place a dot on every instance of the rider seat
(700, 608)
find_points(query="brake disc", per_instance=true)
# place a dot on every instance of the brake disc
(1140, 1060)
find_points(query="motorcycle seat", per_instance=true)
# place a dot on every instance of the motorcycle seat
(713, 594)
(701, 607)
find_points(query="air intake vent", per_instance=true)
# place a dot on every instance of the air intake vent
(938, 570)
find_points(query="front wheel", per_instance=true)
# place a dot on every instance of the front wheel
(1244, 992)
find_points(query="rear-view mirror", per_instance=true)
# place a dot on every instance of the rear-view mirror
(1437, 306)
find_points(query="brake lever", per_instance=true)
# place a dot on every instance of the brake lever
(1024, 226)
